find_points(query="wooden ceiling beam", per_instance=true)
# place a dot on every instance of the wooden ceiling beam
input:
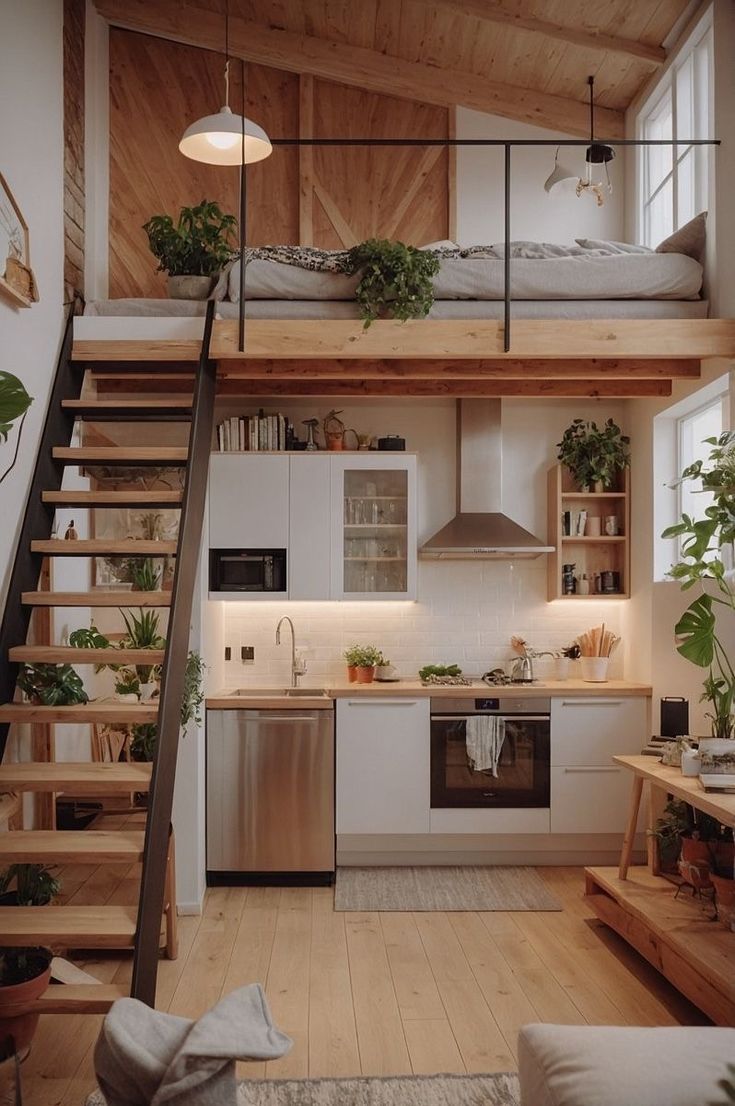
(358, 66)
(495, 11)
(592, 368)
(619, 389)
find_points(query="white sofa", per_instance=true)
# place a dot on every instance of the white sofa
(570, 1065)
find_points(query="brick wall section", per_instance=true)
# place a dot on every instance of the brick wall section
(73, 147)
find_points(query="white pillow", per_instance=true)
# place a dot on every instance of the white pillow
(612, 247)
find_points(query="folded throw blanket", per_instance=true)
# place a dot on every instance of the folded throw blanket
(146, 1058)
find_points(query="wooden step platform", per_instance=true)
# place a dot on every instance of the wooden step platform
(83, 778)
(114, 499)
(120, 455)
(68, 654)
(104, 547)
(97, 598)
(75, 998)
(71, 846)
(83, 927)
(129, 714)
(126, 409)
(676, 935)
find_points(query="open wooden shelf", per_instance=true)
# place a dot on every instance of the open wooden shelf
(591, 555)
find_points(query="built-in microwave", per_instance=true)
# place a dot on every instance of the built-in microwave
(247, 570)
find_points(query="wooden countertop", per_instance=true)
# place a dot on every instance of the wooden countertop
(273, 699)
(720, 805)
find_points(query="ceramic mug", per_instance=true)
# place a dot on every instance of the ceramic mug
(611, 525)
(593, 526)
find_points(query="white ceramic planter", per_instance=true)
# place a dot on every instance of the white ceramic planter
(189, 287)
(594, 669)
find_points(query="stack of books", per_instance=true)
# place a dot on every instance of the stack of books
(254, 433)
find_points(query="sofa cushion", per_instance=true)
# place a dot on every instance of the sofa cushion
(570, 1065)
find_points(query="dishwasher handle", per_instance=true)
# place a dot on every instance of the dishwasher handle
(267, 721)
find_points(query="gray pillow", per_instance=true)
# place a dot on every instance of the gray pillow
(689, 239)
(611, 247)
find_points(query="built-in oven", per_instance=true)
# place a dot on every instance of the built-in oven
(490, 752)
(247, 570)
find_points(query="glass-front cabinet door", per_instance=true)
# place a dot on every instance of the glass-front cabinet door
(374, 526)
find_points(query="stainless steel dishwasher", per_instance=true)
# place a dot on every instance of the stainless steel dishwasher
(270, 796)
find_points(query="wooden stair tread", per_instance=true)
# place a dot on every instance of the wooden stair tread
(84, 777)
(153, 404)
(91, 547)
(100, 927)
(96, 598)
(68, 654)
(132, 714)
(71, 846)
(114, 499)
(122, 454)
(74, 998)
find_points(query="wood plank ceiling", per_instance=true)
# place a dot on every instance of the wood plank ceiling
(523, 59)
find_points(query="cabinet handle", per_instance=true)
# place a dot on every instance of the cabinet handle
(592, 702)
(367, 702)
(591, 769)
(286, 718)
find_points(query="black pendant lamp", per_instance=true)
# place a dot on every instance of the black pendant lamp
(597, 153)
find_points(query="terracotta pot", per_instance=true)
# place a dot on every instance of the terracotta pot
(352, 673)
(189, 287)
(692, 850)
(21, 1027)
(365, 674)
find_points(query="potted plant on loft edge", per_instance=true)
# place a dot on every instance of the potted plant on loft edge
(25, 973)
(193, 250)
(594, 456)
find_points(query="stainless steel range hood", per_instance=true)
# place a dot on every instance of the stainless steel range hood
(480, 530)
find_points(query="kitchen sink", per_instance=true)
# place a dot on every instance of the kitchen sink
(296, 692)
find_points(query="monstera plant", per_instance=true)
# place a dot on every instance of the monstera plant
(705, 562)
(14, 402)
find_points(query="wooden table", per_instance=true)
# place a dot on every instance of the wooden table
(677, 936)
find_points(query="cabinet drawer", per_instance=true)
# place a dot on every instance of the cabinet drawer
(592, 731)
(590, 799)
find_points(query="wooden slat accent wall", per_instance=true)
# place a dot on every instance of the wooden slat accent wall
(74, 15)
(335, 198)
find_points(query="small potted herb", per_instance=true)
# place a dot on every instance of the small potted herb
(25, 973)
(351, 656)
(594, 456)
(193, 250)
(366, 660)
(52, 685)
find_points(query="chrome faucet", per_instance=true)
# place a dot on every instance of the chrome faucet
(298, 666)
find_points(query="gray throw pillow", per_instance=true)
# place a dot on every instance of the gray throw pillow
(689, 239)
(611, 247)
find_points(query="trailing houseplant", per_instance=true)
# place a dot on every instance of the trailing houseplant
(705, 545)
(395, 279)
(35, 885)
(52, 685)
(198, 245)
(144, 737)
(592, 454)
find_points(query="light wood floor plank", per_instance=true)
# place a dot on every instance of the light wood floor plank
(333, 1046)
(288, 981)
(432, 1047)
(413, 980)
(200, 985)
(380, 1038)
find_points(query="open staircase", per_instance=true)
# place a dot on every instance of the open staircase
(63, 927)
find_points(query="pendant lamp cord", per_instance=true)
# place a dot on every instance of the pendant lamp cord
(227, 53)
(591, 83)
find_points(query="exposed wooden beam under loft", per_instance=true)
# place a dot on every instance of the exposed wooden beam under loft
(587, 369)
(495, 11)
(619, 389)
(358, 66)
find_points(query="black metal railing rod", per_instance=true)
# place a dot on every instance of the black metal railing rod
(38, 517)
(506, 263)
(493, 142)
(160, 799)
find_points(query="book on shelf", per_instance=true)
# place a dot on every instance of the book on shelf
(259, 433)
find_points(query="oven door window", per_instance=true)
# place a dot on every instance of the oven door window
(523, 767)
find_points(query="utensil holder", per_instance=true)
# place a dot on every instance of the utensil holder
(594, 669)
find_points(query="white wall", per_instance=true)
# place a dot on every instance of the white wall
(466, 610)
(558, 216)
(31, 141)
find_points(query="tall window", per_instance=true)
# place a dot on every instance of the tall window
(694, 428)
(673, 180)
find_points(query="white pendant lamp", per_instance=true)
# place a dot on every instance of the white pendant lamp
(558, 174)
(225, 138)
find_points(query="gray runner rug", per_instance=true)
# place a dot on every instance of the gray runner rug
(399, 1090)
(442, 888)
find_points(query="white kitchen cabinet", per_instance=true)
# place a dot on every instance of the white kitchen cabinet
(383, 765)
(374, 535)
(589, 793)
(248, 501)
(310, 539)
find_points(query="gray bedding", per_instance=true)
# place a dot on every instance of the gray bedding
(442, 309)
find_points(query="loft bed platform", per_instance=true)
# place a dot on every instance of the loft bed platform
(308, 357)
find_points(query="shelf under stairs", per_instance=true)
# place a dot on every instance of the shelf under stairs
(84, 395)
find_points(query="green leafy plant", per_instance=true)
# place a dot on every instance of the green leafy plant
(143, 742)
(19, 965)
(200, 243)
(35, 884)
(593, 454)
(144, 575)
(350, 655)
(52, 685)
(128, 682)
(703, 542)
(365, 656)
(395, 279)
(193, 696)
(439, 670)
(143, 633)
(14, 402)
